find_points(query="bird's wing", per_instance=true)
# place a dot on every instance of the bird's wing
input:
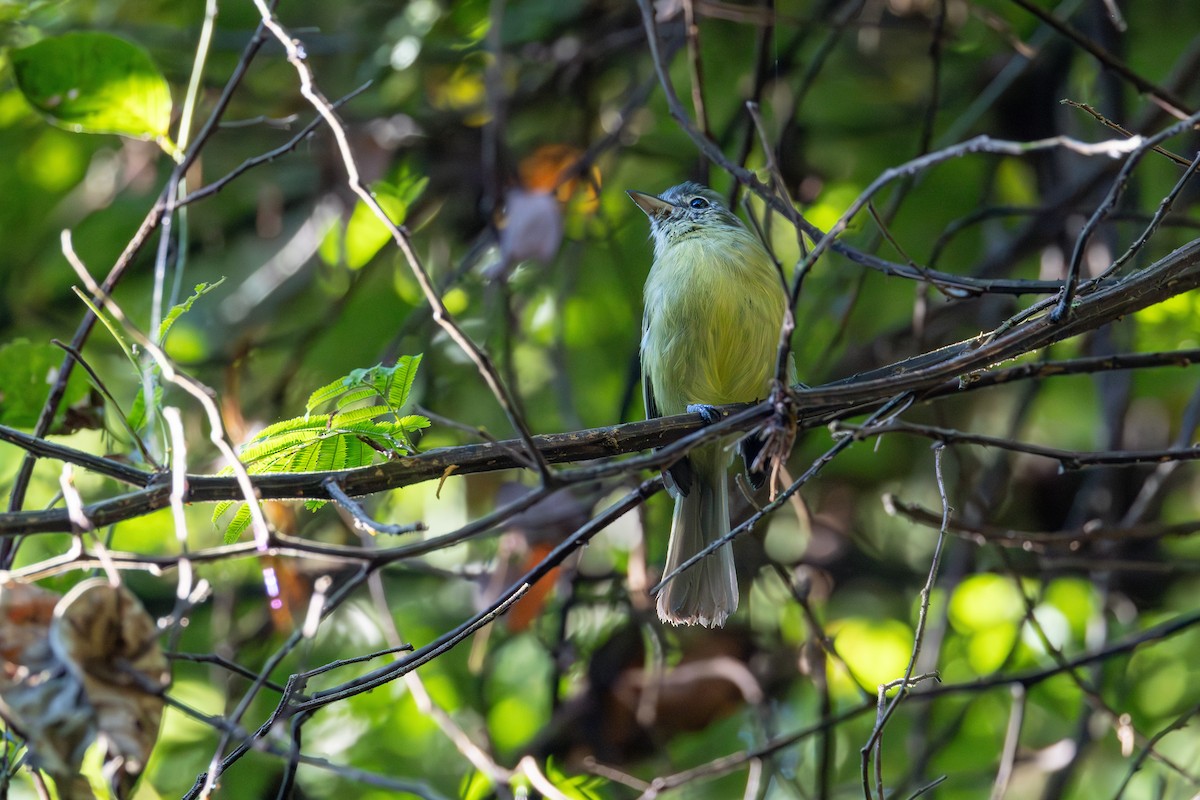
(648, 396)
(677, 477)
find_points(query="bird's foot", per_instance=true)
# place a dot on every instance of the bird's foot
(710, 414)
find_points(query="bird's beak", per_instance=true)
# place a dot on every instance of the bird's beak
(655, 208)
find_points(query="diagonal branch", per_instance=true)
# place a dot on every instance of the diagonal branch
(1174, 274)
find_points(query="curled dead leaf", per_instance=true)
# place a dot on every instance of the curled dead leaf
(80, 669)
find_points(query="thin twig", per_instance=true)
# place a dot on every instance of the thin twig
(297, 57)
(364, 520)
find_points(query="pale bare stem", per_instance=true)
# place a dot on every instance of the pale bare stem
(197, 390)
(530, 769)
(21, 482)
(1063, 665)
(209, 189)
(615, 775)
(39, 785)
(952, 285)
(66, 483)
(1108, 123)
(148, 225)
(754, 774)
(1012, 740)
(195, 79)
(217, 435)
(183, 587)
(1113, 148)
(172, 242)
(932, 375)
(83, 525)
(908, 681)
(178, 188)
(287, 708)
(731, 763)
(298, 59)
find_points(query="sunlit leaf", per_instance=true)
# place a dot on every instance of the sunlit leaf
(875, 650)
(238, 525)
(400, 386)
(95, 83)
(984, 601)
(364, 235)
(347, 439)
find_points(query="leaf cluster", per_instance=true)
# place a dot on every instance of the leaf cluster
(366, 425)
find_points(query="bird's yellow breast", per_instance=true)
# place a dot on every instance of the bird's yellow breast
(714, 306)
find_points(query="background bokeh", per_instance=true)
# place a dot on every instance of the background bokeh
(465, 101)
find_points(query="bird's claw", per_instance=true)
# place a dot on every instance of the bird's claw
(710, 414)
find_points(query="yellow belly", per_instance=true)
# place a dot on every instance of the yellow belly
(711, 330)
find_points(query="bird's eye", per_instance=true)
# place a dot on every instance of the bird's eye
(698, 202)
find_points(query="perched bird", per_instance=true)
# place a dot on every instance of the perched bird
(714, 305)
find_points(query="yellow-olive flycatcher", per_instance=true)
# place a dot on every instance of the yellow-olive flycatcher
(714, 304)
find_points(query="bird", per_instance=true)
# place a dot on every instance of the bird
(714, 303)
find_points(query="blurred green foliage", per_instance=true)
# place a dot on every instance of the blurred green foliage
(312, 290)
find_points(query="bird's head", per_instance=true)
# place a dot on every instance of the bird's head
(684, 210)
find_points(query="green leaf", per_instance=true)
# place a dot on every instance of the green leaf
(265, 454)
(356, 396)
(27, 371)
(348, 418)
(360, 239)
(476, 786)
(221, 508)
(392, 384)
(95, 83)
(179, 309)
(114, 327)
(576, 787)
(346, 439)
(405, 372)
(316, 423)
(238, 525)
(326, 393)
(137, 412)
(413, 422)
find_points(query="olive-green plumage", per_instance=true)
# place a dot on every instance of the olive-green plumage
(714, 306)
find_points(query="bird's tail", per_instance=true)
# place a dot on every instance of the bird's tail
(707, 592)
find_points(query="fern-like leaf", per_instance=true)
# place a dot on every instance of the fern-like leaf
(326, 393)
(350, 437)
(238, 525)
(403, 376)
